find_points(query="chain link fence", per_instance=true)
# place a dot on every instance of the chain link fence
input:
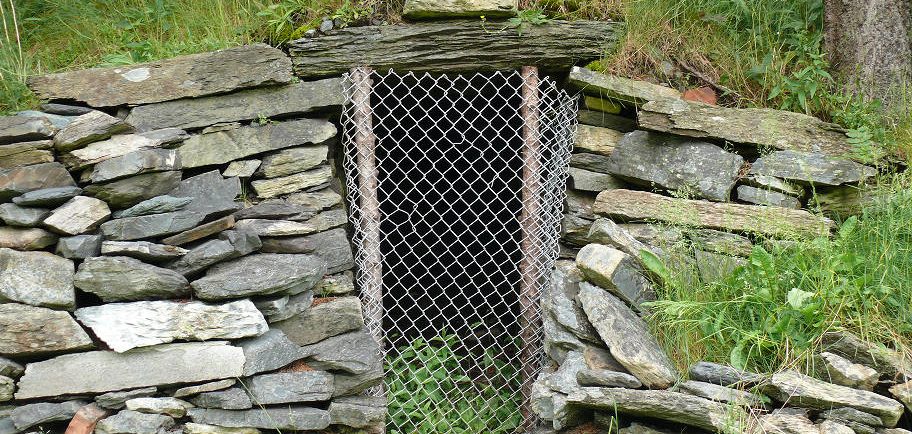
(456, 185)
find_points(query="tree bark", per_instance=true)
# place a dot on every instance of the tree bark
(869, 45)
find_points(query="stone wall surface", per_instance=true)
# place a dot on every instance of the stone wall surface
(161, 252)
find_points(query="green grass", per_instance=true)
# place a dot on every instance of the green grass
(770, 313)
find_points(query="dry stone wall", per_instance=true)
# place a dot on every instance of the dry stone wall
(174, 254)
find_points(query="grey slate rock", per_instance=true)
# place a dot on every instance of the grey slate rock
(891, 364)
(289, 387)
(26, 154)
(293, 99)
(64, 109)
(134, 422)
(142, 250)
(155, 205)
(559, 299)
(31, 415)
(675, 163)
(331, 246)
(25, 128)
(725, 243)
(124, 326)
(848, 414)
(97, 152)
(723, 375)
(167, 406)
(15, 215)
(149, 226)
(79, 246)
(715, 392)
(585, 180)
(25, 238)
(606, 378)
(282, 418)
(7, 426)
(79, 215)
(20, 180)
(119, 278)
(136, 163)
(116, 400)
(241, 168)
(199, 428)
(270, 209)
(325, 320)
(311, 179)
(7, 387)
(224, 146)
(276, 273)
(628, 337)
(759, 196)
(270, 351)
(213, 196)
(292, 160)
(57, 120)
(234, 398)
(315, 201)
(355, 352)
(90, 127)
(27, 331)
(106, 371)
(839, 370)
(36, 278)
(336, 284)
(9, 368)
(592, 162)
(617, 272)
(284, 307)
(358, 411)
(811, 168)
(127, 192)
(352, 384)
(47, 197)
(229, 245)
(213, 386)
(323, 221)
(767, 182)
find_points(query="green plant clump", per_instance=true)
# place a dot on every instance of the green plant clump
(429, 391)
(771, 312)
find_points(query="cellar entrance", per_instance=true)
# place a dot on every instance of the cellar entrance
(455, 185)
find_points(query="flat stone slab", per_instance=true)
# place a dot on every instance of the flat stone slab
(104, 371)
(776, 129)
(715, 392)
(323, 221)
(134, 422)
(431, 9)
(675, 163)
(274, 273)
(805, 391)
(19, 180)
(156, 205)
(200, 428)
(811, 168)
(266, 188)
(33, 331)
(234, 398)
(205, 387)
(358, 411)
(178, 77)
(223, 146)
(292, 160)
(25, 238)
(289, 387)
(201, 231)
(356, 353)
(127, 192)
(136, 163)
(117, 400)
(25, 128)
(90, 127)
(121, 145)
(124, 326)
(11, 369)
(293, 99)
(213, 196)
(723, 375)
(619, 88)
(119, 278)
(331, 246)
(229, 245)
(15, 215)
(142, 250)
(325, 320)
(663, 405)
(26, 153)
(903, 392)
(167, 406)
(282, 418)
(759, 196)
(776, 222)
(48, 197)
(889, 363)
(242, 168)
(150, 226)
(79, 215)
(37, 279)
(843, 372)
(587, 180)
(617, 272)
(628, 337)
(269, 351)
(31, 415)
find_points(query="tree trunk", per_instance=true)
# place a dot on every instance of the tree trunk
(869, 44)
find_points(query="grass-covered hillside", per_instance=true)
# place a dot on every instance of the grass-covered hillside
(761, 53)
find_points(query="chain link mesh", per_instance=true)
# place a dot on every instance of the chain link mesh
(456, 185)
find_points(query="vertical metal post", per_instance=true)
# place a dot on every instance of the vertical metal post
(530, 275)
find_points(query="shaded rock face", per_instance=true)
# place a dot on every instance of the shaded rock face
(674, 163)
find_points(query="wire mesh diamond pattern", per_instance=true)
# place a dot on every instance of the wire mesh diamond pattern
(456, 185)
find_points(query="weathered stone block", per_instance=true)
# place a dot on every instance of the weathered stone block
(619, 88)
(289, 387)
(167, 406)
(292, 160)
(79, 215)
(127, 192)
(48, 197)
(136, 163)
(121, 145)
(119, 278)
(811, 168)
(431, 9)
(201, 231)
(26, 154)
(90, 127)
(36, 278)
(234, 398)
(134, 422)
(25, 238)
(33, 331)
(269, 351)
(19, 180)
(325, 320)
(156, 205)
(266, 188)
(331, 246)
(230, 245)
(24, 128)
(30, 415)
(617, 272)
(15, 215)
(356, 352)
(275, 273)
(281, 418)
(142, 250)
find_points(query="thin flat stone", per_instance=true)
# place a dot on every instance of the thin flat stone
(79, 215)
(20, 180)
(9, 368)
(30, 415)
(224, 146)
(293, 99)
(149, 226)
(199, 428)
(142, 250)
(270, 209)
(811, 168)
(266, 188)
(136, 163)
(290, 387)
(64, 109)
(275, 273)
(179, 77)
(358, 411)
(134, 422)
(234, 398)
(104, 371)
(605, 378)
(15, 215)
(843, 372)
(25, 238)
(27, 331)
(715, 392)
(155, 205)
(585, 180)
(48, 197)
(285, 228)
(119, 278)
(619, 88)
(890, 363)
(116, 400)
(167, 406)
(242, 168)
(201, 231)
(315, 201)
(124, 326)
(90, 127)
(26, 153)
(184, 392)
(36, 278)
(723, 375)
(213, 196)
(617, 272)
(293, 160)
(444, 9)
(120, 145)
(283, 418)
(229, 245)
(356, 353)
(269, 351)
(127, 192)
(331, 246)
(25, 128)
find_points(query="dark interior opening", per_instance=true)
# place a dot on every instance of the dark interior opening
(450, 175)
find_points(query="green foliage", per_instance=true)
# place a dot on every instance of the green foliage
(772, 310)
(429, 391)
(289, 19)
(526, 18)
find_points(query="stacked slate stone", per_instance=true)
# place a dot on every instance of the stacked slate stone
(174, 254)
(692, 175)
